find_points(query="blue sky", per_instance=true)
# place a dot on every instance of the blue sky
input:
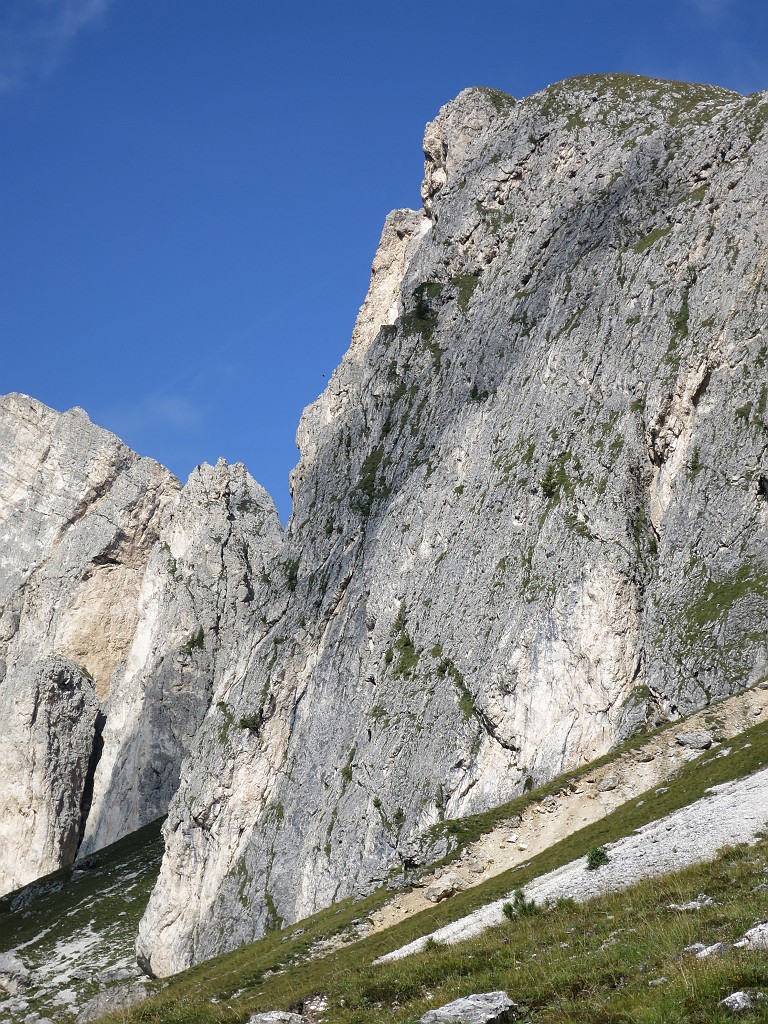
(191, 191)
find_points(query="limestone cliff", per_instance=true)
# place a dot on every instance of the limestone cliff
(116, 593)
(201, 609)
(49, 720)
(530, 517)
(530, 512)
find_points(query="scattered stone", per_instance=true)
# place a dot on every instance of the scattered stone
(14, 976)
(608, 783)
(696, 739)
(658, 981)
(737, 1002)
(85, 864)
(702, 900)
(488, 1008)
(443, 887)
(716, 949)
(110, 1000)
(14, 1005)
(122, 974)
(277, 1017)
(315, 1006)
(755, 938)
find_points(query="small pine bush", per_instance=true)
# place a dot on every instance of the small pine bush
(596, 857)
(520, 906)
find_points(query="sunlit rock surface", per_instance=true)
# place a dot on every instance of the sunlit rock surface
(530, 510)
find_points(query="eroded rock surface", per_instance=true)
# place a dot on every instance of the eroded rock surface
(118, 593)
(49, 718)
(530, 512)
(201, 609)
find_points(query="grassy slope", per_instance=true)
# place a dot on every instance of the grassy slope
(579, 981)
(89, 918)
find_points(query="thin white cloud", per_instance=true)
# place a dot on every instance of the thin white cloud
(712, 9)
(172, 413)
(35, 36)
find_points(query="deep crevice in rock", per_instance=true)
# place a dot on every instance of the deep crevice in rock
(87, 798)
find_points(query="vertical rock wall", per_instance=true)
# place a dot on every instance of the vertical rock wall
(145, 591)
(528, 516)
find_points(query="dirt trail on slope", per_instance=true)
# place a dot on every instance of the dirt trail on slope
(585, 800)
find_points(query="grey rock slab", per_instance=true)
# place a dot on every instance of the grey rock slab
(737, 1002)
(111, 1000)
(276, 1017)
(201, 610)
(755, 938)
(149, 592)
(49, 718)
(485, 1008)
(697, 739)
(14, 975)
(80, 514)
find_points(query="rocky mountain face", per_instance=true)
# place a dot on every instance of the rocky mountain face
(530, 512)
(530, 517)
(116, 589)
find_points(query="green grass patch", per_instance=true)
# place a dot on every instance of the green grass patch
(644, 243)
(195, 643)
(719, 596)
(371, 483)
(465, 286)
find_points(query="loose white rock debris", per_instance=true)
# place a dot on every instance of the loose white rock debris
(732, 813)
